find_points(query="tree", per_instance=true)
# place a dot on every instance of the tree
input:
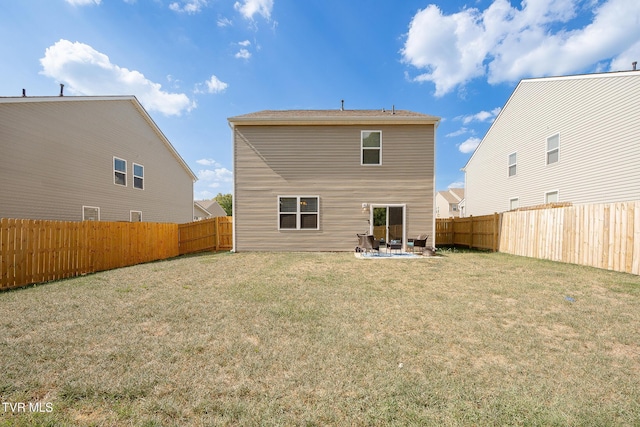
(226, 202)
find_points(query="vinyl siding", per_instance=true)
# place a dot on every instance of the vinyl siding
(324, 161)
(598, 121)
(58, 156)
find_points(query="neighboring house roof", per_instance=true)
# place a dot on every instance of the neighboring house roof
(457, 192)
(336, 117)
(211, 207)
(546, 79)
(449, 197)
(130, 98)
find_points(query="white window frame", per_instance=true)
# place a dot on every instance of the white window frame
(363, 148)
(513, 165)
(511, 201)
(546, 196)
(138, 177)
(90, 207)
(131, 216)
(298, 213)
(549, 151)
(115, 171)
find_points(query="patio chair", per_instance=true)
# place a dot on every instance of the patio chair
(366, 242)
(421, 242)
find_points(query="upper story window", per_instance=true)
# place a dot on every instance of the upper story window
(119, 171)
(453, 207)
(298, 212)
(553, 149)
(513, 159)
(371, 142)
(138, 176)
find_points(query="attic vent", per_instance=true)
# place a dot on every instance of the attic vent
(634, 64)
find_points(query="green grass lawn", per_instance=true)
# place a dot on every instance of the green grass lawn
(325, 339)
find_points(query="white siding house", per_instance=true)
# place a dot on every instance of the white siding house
(560, 139)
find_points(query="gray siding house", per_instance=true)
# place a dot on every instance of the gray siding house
(310, 180)
(560, 139)
(89, 158)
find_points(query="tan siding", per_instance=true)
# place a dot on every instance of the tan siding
(58, 156)
(599, 126)
(325, 161)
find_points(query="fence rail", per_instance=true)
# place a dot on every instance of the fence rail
(478, 232)
(213, 234)
(600, 235)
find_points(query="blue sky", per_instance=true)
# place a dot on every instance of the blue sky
(193, 63)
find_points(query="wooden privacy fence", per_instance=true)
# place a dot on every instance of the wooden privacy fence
(213, 234)
(478, 232)
(599, 235)
(33, 251)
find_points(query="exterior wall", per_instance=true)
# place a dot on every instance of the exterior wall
(598, 121)
(57, 156)
(444, 199)
(324, 161)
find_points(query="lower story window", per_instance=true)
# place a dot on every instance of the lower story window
(514, 203)
(136, 216)
(551, 197)
(90, 213)
(298, 212)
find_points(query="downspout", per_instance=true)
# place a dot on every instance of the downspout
(233, 187)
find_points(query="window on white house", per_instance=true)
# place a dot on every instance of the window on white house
(514, 203)
(298, 212)
(119, 171)
(513, 164)
(553, 149)
(138, 176)
(135, 216)
(453, 207)
(90, 213)
(551, 197)
(371, 144)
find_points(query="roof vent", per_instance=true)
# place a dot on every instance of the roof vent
(61, 89)
(393, 109)
(24, 93)
(634, 64)
(342, 105)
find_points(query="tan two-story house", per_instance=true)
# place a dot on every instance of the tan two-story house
(74, 158)
(310, 180)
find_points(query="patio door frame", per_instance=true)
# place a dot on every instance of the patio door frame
(372, 206)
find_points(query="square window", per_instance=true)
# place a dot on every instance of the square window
(513, 203)
(551, 197)
(298, 212)
(135, 216)
(90, 213)
(371, 146)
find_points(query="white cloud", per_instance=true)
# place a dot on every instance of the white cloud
(505, 43)
(469, 145)
(245, 43)
(482, 116)
(224, 22)
(85, 71)
(215, 178)
(459, 132)
(215, 85)
(457, 184)
(243, 54)
(248, 8)
(83, 2)
(208, 162)
(188, 6)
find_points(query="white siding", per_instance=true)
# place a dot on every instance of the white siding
(598, 120)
